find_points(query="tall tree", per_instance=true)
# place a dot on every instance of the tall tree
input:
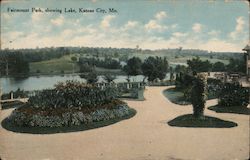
(155, 67)
(133, 66)
(197, 65)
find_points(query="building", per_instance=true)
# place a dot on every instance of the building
(247, 58)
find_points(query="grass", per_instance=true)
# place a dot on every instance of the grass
(46, 130)
(175, 96)
(64, 65)
(205, 122)
(55, 66)
(233, 109)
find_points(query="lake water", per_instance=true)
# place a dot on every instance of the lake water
(42, 82)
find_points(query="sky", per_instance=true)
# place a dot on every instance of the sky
(213, 25)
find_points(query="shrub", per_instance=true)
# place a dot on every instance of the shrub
(214, 87)
(73, 94)
(198, 95)
(233, 94)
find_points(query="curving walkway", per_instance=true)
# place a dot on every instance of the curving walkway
(146, 136)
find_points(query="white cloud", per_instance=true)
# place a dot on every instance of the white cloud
(57, 21)
(214, 33)
(105, 23)
(160, 15)
(131, 24)
(239, 28)
(174, 26)
(179, 34)
(67, 33)
(197, 27)
(154, 25)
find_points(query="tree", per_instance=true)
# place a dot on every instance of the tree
(197, 65)
(109, 78)
(74, 59)
(180, 68)
(155, 67)
(218, 67)
(133, 67)
(236, 65)
(199, 95)
(91, 78)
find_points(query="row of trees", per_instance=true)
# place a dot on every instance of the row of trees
(107, 62)
(235, 65)
(152, 68)
(13, 63)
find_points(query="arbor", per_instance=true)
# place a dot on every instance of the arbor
(199, 95)
(155, 67)
(133, 66)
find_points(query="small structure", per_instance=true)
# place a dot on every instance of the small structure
(247, 59)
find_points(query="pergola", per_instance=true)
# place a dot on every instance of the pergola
(247, 54)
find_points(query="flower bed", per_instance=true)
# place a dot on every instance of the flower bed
(70, 104)
(37, 117)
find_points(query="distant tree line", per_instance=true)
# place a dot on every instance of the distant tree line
(107, 63)
(235, 65)
(13, 63)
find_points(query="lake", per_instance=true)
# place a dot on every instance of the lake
(42, 82)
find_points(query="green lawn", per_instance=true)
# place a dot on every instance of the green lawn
(175, 96)
(54, 66)
(189, 120)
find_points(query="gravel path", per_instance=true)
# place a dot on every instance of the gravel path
(146, 136)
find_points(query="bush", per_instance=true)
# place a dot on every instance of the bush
(214, 87)
(233, 94)
(72, 94)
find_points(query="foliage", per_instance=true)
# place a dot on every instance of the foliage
(155, 67)
(198, 95)
(214, 87)
(13, 63)
(74, 59)
(180, 68)
(183, 81)
(236, 65)
(218, 67)
(91, 77)
(109, 78)
(86, 68)
(233, 94)
(72, 94)
(133, 66)
(108, 63)
(197, 65)
(32, 117)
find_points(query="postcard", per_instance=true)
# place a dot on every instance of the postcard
(124, 80)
